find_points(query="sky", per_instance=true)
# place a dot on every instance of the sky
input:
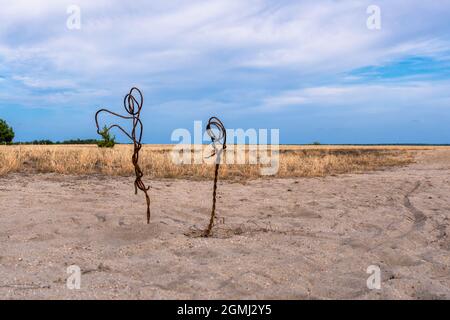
(316, 70)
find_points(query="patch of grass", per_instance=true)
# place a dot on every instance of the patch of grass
(156, 161)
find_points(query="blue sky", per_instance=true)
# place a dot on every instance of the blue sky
(309, 68)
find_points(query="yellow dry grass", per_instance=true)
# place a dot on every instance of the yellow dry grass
(156, 161)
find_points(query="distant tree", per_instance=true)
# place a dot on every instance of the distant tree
(6, 133)
(45, 142)
(108, 140)
(316, 143)
(79, 141)
(71, 141)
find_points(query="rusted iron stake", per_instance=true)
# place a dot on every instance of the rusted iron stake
(219, 137)
(133, 106)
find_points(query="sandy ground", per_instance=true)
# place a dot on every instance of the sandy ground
(276, 238)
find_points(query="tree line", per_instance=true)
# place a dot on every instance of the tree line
(7, 136)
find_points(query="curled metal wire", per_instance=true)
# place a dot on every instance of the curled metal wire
(218, 134)
(133, 103)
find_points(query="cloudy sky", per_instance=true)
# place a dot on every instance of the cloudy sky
(313, 69)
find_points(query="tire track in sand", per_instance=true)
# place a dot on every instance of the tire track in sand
(419, 216)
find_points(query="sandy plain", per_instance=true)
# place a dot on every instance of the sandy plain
(279, 238)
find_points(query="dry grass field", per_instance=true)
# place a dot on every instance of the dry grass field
(156, 161)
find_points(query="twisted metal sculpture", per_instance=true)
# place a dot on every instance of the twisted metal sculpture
(221, 139)
(133, 107)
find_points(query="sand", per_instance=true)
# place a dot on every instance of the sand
(305, 238)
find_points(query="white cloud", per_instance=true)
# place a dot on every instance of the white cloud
(362, 96)
(122, 43)
(45, 83)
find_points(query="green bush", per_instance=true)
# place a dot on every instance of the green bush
(6, 133)
(108, 140)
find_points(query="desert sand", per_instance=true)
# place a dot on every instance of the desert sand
(303, 238)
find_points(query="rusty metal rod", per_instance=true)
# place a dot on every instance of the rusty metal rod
(219, 137)
(133, 107)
